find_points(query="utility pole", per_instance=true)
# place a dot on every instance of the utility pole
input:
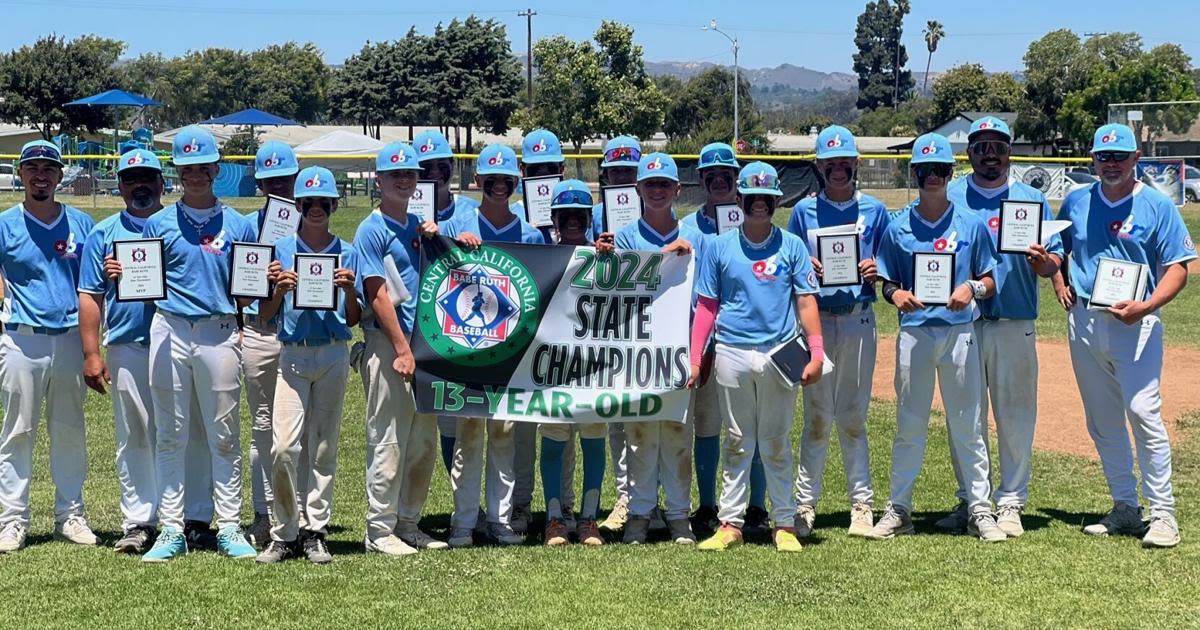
(712, 26)
(528, 15)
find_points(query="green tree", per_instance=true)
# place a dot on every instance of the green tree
(703, 112)
(290, 80)
(358, 92)
(934, 32)
(36, 81)
(478, 78)
(881, 56)
(967, 87)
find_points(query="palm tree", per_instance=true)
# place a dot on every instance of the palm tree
(933, 35)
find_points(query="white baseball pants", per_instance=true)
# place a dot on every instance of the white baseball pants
(260, 367)
(659, 452)
(1118, 368)
(34, 368)
(133, 412)
(468, 466)
(618, 450)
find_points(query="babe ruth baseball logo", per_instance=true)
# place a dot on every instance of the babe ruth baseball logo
(839, 248)
(418, 194)
(734, 215)
(769, 269)
(933, 266)
(622, 198)
(315, 269)
(272, 161)
(191, 147)
(1118, 272)
(485, 300)
(834, 142)
(1022, 214)
(66, 248)
(251, 258)
(1188, 244)
(139, 255)
(285, 213)
(427, 146)
(313, 182)
(543, 189)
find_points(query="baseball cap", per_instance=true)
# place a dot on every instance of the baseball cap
(497, 159)
(1114, 137)
(759, 178)
(571, 193)
(989, 123)
(540, 146)
(138, 158)
(836, 141)
(932, 147)
(717, 154)
(275, 159)
(396, 156)
(40, 150)
(657, 165)
(194, 145)
(621, 151)
(432, 145)
(315, 181)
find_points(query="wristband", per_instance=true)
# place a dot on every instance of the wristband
(978, 289)
(889, 288)
(816, 347)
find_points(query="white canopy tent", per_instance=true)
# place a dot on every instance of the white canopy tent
(340, 143)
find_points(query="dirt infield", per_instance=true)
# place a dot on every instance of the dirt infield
(1060, 425)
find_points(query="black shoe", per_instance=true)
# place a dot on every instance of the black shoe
(705, 521)
(757, 521)
(315, 548)
(137, 540)
(276, 551)
(199, 535)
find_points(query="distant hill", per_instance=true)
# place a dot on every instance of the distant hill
(797, 78)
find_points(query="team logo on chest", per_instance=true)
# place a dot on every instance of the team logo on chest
(950, 243)
(68, 248)
(213, 244)
(1124, 229)
(769, 269)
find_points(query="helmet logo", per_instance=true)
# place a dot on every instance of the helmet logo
(191, 147)
(315, 182)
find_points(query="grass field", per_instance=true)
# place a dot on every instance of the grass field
(1052, 577)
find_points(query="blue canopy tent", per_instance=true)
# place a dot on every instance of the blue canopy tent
(115, 98)
(244, 186)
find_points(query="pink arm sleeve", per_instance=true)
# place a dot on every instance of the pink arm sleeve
(702, 325)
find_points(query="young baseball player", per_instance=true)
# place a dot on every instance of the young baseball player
(571, 211)
(754, 284)
(401, 443)
(194, 350)
(40, 352)
(848, 325)
(1117, 351)
(1005, 329)
(659, 450)
(937, 340)
(127, 340)
(496, 175)
(275, 169)
(313, 366)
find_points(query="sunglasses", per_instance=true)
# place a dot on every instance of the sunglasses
(572, 198)
(309, 204)
(1112, 156)
(436, 165)
(997, 147)
(714, 156)
(623, 154)
(137, 178)
(941, 170)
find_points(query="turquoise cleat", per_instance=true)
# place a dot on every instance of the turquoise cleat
(169, 545)
(232, 542)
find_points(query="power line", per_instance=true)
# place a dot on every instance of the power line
(145, 7)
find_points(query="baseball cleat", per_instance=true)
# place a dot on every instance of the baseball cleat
(588, 533)
(894, 522)
(636, 530)
(414, 537)
(232, 542)
(757, 521)
(504, 534)
(12, 537)
(389, 546)
(861, 520)
(1123, 519)
(275, 551)
(786, 541)
(461, 537)
(260, 530)
(170, 544)
(557, 533)
(956, 521)
(315, 549)
(137, 540)
(520, 519)
(983, 524)
(75, 530)
(704, 520)
(1008, 517)
(1163, 531)
(806, 515)
(200, 535)
(618, 516)
(725, 537)
(681, 531)
(568, 516)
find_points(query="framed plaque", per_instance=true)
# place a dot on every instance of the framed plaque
(839, 260)
(314, 282)
(280, 220)
(539, 192)
(423, 201)
(249, 263)
(622, 206)
(933, 277)
(1117, 281)
(143, 274)
(729, 217)
(1020, 226)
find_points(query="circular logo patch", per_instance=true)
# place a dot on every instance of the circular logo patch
(477, 308)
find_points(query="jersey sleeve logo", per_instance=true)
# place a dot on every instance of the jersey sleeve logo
(1188, 244)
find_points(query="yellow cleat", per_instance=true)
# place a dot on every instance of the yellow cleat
(785, 540)
(727, 536)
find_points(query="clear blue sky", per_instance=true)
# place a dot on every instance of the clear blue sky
(817, 35)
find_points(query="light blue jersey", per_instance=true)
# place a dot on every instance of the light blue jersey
(124, 322)
(959, 232)
(458, 203)
(866, 212)
(640, 236)
(1016, 283)
(1144, 227)
(517, 231)
(383, 244)
(41, 265)
(314, 326)
(197, 258)
(756, 286)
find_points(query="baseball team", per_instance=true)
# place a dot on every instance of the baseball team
(176, 367)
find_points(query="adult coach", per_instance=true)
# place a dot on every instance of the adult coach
(1117, 352)
(1005, 329)
(127, 340)
(275, 169)
(848, 325)
(40, 357)
(194, 350)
